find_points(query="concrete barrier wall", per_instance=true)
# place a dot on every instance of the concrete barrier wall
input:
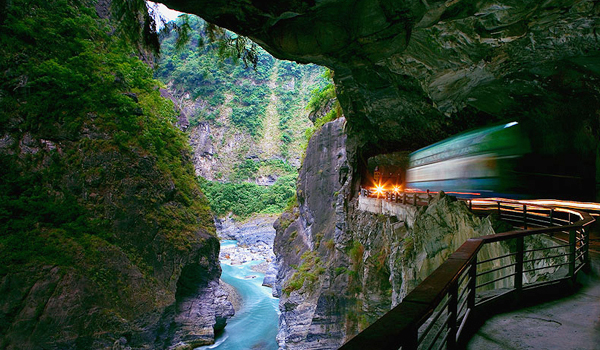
(403, 212)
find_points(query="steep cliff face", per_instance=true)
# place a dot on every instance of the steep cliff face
(106, 239)
(305, 246)
(341, 268)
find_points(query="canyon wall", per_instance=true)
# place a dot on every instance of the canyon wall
(106, 239)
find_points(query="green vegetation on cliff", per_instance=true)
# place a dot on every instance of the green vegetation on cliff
(96, 180)
(307, 274)
(85, 99)
(244, 199)
(262, 108)
(323, 106)
(200, 70)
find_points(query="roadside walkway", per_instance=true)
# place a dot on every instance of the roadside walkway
(569, 323)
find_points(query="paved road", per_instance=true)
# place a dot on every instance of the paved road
(569, 323)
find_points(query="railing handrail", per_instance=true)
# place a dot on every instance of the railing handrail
(399, 327)
(418, 305)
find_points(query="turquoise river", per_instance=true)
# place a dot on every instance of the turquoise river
(254, 326)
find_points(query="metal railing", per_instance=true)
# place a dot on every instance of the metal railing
(482, 273)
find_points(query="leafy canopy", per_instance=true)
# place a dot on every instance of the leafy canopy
(244, 199)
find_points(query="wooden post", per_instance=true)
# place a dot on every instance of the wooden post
(404, 198)
(572, 245)
(499, 212)
(412, 341)
(525, 216)
(552, 217)
(519, 265)
(586, 248)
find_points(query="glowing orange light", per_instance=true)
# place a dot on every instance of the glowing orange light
(469, 193)
(379, 189)
(397, 189)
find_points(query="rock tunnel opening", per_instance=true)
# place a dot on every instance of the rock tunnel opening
(535, 157)
(386, 170)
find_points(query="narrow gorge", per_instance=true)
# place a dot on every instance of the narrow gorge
(120, 165)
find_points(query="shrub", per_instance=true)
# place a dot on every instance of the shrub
(244, 199)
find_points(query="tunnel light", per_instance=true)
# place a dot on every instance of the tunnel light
(510, 124)
(379, 189)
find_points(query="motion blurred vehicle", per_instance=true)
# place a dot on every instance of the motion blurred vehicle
(496, 161)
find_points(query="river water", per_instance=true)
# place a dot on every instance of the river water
(254, 326)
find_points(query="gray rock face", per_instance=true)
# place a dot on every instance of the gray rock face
(271, 275)
(200, 315)
(203, 150)
(255, 242)
(311, 312)
(257, 231)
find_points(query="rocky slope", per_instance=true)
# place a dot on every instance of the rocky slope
(236, 114)
(255, 238)
(106, 240)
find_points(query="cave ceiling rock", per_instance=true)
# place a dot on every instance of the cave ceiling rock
(411, 72)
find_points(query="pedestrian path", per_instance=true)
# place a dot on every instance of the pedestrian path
(570, 323)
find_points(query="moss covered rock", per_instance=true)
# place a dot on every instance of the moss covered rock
(103, 224)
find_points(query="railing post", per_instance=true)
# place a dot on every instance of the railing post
(472, 284)
(428, 196)
(470, 205)
(519, 265)
(415, 199)
(525, 216)
(586, 248)
(412, 341)
(552, 217)
(499, 212)
(572, 246)
(404, 198)
(452, 315)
